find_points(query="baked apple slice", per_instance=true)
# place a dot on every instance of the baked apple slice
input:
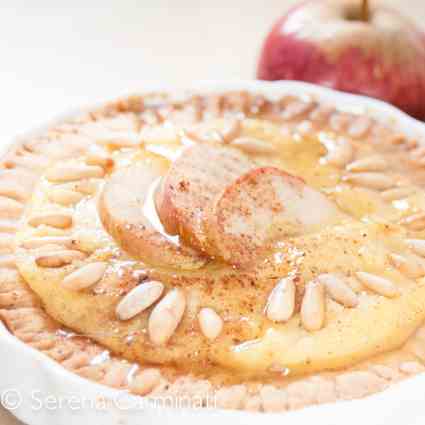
(126, 214)
(190, 187)
(262, 206)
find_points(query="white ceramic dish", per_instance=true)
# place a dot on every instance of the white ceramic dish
(40, 392)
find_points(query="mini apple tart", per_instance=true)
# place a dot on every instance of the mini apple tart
(268, 253)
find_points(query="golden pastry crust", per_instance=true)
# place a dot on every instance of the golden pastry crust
(119, 127)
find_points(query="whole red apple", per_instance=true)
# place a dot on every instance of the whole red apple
(350, 45)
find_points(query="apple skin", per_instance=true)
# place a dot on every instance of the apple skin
(385, 61)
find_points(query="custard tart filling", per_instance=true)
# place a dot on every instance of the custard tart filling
(271, 252)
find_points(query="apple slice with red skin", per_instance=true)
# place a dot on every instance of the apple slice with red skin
(188, 191)
(122, 207)
(336, 43)
(261, 207)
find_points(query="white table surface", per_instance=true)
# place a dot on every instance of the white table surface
(56, 55)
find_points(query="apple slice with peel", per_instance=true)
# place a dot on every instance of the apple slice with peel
(261, 207)
(127, 211)
(194, 180)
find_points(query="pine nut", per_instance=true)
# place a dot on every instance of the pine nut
(417, 154)
(97, 156)
(49, 248)
(14, 189)
(399, 139)
(313, 306)
(296, 109)
(338, 290)
(103, 135)
(339, 121)
(10, 208)
(397, 193)
(68, 173)
(253, 146)
(375, 181)
(415, 222)
(340, 152)
(144, 382)
(408, 267)
(281, 303)
(119, 139)
(417, 245)
(29, 161)
(139, 299)
(321, 114)
(6, 242)
(87, 187)
(206, 134)
(38, 242)
(378, 284)
(85, 277)
(368, 164)
(359, 127)
(8, 226)
(230, 130)
(166, 316)
(159, 134)
(58, 258)
(58, 220)
(210, 322)
(64, 197)
(8, 261)
(305, 127)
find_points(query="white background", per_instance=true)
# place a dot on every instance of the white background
(56, 55)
